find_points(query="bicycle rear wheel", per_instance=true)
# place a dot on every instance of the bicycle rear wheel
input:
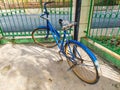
(39, 37)
(82, 65)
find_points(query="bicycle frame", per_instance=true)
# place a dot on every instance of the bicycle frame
(73, 50)
(56, 35)
(60, 42)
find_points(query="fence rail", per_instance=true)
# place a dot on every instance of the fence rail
(23, 5)
(20, 17)
(105, 27)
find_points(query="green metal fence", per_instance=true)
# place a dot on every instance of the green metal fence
(105, 25)
(20, 17)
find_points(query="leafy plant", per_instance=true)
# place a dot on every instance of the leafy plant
(106, 2)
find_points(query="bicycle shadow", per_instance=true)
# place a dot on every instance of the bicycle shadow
(31, 67)
(35, 67)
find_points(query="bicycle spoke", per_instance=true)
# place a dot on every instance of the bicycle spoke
(84, 68)
(85, 65)
(39, 36)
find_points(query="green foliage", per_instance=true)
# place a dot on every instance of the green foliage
(113, 43)
(106, 2)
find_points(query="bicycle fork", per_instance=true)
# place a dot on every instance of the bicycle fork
(74, 53)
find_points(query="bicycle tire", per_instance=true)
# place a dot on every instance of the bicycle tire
(39, 37)
(86, 70)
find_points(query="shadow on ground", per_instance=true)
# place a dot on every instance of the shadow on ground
(30, 67)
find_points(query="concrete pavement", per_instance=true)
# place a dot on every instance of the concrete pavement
(31, 67)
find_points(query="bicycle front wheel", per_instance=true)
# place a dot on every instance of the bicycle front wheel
(82, 65)
(40, 37)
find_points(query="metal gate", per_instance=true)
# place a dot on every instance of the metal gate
(105, 24)
(20, 17)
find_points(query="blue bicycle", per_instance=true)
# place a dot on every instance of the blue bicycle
(80, 59)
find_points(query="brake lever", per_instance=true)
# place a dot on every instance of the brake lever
(49, 2)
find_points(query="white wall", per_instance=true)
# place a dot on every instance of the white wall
(85, 7)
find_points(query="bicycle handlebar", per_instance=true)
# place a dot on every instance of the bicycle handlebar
(45, 10)
(46, 7)
(49, 2)
(42, 16)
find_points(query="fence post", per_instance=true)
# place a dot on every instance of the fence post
(1, 33)
(90, 17)
(77, 18)
(84, 18)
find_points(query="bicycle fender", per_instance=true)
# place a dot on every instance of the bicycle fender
(87, 50)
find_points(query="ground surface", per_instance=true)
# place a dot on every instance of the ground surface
(30, 67)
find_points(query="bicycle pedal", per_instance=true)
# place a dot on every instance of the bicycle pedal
(71, 67)
(60, 61)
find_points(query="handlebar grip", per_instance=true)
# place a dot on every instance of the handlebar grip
(42, 16)
(45, 8)
(49, 2)
(45, 18)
